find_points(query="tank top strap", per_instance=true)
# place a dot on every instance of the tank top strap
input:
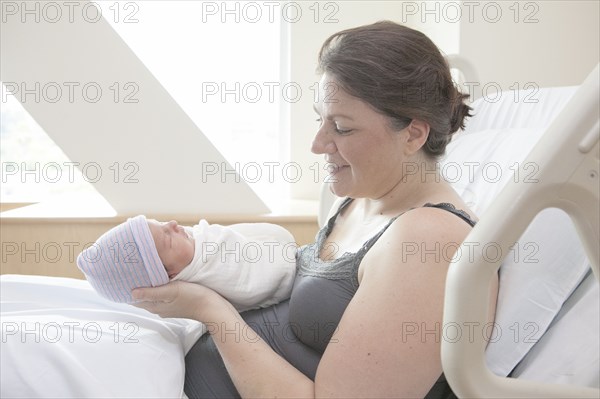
(371, 241)
(324, 232)
(452, 209)
(348, 264)
(443, 205)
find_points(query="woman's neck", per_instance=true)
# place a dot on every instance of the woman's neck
(419, 184)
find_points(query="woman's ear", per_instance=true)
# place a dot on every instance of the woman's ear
(417, 131)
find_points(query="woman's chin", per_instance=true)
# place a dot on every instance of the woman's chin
(339, 190)
(338, 182)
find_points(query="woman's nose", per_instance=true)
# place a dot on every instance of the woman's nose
(322, 144)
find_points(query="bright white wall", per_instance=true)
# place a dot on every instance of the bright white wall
(547, 43)
(148, 154)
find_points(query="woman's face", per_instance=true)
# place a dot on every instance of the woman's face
(365, 152)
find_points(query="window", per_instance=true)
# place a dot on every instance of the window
(220, 62)
(33, 166)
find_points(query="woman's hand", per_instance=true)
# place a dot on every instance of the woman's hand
(180, 299)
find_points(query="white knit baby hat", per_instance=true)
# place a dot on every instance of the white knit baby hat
(122, 259)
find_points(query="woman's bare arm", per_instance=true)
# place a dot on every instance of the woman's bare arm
(388, 341)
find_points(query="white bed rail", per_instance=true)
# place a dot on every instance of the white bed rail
(567, 158)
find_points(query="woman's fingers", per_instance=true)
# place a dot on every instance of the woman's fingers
(175, 299)
(180, 299)
(139, 294)
(163, 293)
(149, 306)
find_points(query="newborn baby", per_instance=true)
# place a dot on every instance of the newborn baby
(251, 264)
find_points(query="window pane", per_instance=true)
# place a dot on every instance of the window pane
(221, 67)
(33, 166)
(225, 76)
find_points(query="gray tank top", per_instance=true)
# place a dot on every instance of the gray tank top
(299, 329)
(323, 289)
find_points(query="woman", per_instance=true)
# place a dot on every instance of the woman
(387, 109)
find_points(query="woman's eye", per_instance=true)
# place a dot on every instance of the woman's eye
(342, 131)
(337, 129)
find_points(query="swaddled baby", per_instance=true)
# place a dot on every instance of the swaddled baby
(251, 264)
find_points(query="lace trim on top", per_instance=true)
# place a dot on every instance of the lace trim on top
(345, 267)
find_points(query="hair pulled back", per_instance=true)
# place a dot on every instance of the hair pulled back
(401, 73)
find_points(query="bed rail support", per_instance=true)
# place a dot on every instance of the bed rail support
(567, 158)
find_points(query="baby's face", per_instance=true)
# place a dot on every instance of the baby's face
(173, 244)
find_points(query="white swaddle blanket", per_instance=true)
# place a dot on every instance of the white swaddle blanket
(251, 264)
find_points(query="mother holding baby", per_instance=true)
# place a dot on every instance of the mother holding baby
(387, 106)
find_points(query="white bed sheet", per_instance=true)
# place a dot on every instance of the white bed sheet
(61, 339)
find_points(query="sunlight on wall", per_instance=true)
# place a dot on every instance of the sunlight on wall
(33, 166)
(221, 63)
(225, 76)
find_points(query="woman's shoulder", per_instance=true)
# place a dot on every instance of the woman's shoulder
(430, 224)
(462, 211)
(421, 236)
(422, 240)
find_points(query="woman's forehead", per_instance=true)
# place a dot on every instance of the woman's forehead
(340, 104)
(332, 97)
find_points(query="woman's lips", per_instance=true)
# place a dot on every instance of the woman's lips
(333, 167)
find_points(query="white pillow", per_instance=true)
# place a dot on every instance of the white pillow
(547, 262)
(538, 275)
(569, 352)
(479, 164)
(61, 339)
(530, 108)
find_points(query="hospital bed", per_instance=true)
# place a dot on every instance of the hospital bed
(551, 205)
(60, 339)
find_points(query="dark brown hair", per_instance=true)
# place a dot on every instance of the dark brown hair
(402, 74)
